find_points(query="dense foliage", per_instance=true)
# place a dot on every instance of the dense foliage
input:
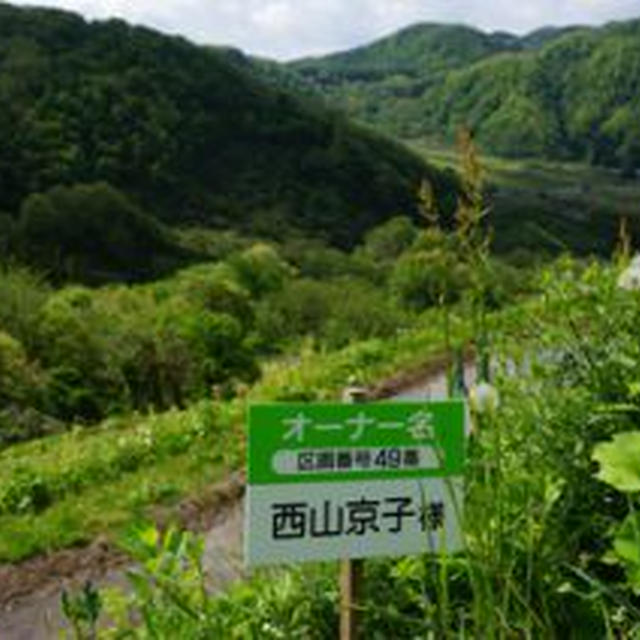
(77, 354)
(540, 208)
(569, 93)
(184, 131)
(121, 146)
(92, 233)
(551, 545)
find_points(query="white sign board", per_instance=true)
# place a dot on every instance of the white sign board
(353, 481)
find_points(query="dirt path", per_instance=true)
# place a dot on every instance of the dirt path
(30, 592)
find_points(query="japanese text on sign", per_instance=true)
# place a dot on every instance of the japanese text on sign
(419, 426)
(354, 517)
(328, 481)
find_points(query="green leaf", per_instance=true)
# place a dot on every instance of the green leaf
(620, 461)
(626, 547)
(149, 537)
(627, 541)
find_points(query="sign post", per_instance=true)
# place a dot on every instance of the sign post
(351, 571)
(351, 580)
(346, 481)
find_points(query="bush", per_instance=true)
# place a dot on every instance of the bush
(334, 313)
(362, 313)
(197, 349)
(301, 308)
(421, 279)
(87, 231)
(260, 269)
(17, 377)
(74, 344)
(389, 240)
(216, 288)
(22, 295)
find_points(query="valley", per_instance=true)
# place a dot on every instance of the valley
(187, 230)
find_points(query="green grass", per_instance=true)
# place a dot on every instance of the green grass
(39, 473)
(538, 559)
(66, 489)
(552, 206)
(106, 509)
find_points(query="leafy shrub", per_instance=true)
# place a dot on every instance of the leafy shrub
(74, 344)
(314, 260)
(260, 269)
(360, 311)
(85, 229)
(386, 242)
(334, 313)
(421, 279)
(212, 244)
(22, 295)
(17, 377)
(301, 308)
(89, 353)
(198, 348)
(217, 288)
(27, 491)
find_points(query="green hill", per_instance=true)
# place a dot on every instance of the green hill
(570, 93)
(185, 132)
(382, 83)
(417, 51)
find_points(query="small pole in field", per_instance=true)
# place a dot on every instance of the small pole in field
(351, 571)
(351, 582)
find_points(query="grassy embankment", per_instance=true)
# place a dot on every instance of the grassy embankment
(550, 549)
(66, 489)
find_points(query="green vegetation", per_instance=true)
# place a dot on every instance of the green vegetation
(116, 355)
(539, 208)
(78, 354)
(244, 242)
(151, 126)
(422, 51)
(96, 366)
(68, 488)
(551, 550)
(562, 94)
(90, 232)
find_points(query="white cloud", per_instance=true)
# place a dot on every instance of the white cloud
(288, 28)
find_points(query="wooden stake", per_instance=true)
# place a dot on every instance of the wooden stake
(351, 571)
(351, 581)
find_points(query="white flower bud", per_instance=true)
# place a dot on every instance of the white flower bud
(484, 398)
(630, 278)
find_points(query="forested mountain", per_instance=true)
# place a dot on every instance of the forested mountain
(184, 132)
(419, 50)
(560, 93)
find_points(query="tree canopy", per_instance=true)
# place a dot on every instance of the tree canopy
(568, 93)
(191, 134)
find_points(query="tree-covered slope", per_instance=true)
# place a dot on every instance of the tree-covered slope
(416, 50)
(380, 83)
(576, 97)
(184, 131)
(561, 93)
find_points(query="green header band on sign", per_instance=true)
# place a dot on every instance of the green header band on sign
(301, 443)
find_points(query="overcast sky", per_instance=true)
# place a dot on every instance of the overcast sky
(294, 28)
